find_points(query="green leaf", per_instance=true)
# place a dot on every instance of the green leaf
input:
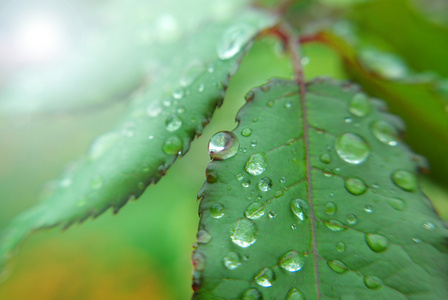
(157, 129)
(321, 201)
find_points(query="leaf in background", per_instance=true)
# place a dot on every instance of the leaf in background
(417, 98)
(320, 201)
(161, 122)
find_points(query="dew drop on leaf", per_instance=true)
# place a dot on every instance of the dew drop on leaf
(368, 209)
(283, 180)
(232, 260)
(359, 105)
(295, 294)
(173, 123)
(334, 225)
(223, 145)
(256, 164)
(265, 184)
(340, 247)
(355, 186)
(377, 242)
(217, 210)
(203, 236)
(198, 261)
(300, 208)
(253, 143)
(265, 278)
(385, 133)
(396, 203)
(405, 180)
(102, 144)
(243, 233)
(338, 266)
(252, 294)
(330, 208)
(178, 94)
(372, 282)
(325, 158)
(246, 132)
(191, 73)
(272, 214)
(172, 145)
(233, 40)
(96, 182)
(153, 109)
(254, 211)
(352, 219)
(292, 261)
(429, 226)
(352, 148)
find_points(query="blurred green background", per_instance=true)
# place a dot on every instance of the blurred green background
(144, 251)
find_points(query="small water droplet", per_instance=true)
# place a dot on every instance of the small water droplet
(173, 123)
(232, 260)
(359, 105)
(352, 148)
(217, 210)
(178, 94)
(405, 180)
(295, 294)
(300, 208)
(256, 164)
(96, 182)
(377, 242)
(325, 158)
(239, 177)
(150, 137)
(373, 282)
(253, 143)
(245, 182)
(102, 144)
(167, 102)
(173, 145)
(279, 194)
(265, 278)
(270, 104)
(180, 110)
(292, 261)
(203, 236)
(246, 132)
(153, 109)
(191, 73)
(255, 119)
(385, 132)
(429, 226)
(201, 87)
(283, 180)
(254, 211)
(340, 247)
(416, 240)
(368, 209)
(243, 233)
(348, 120)
(223, 145)
(396, 203)
(265, 184)
(338, 266)
(233, 39)
(272, 215)
(198, 261)
(293, 226)
(352, 219)
(334, 225)
(330, 208)
(288, 104)
(252, 294)
(305, 60)
(355, 186)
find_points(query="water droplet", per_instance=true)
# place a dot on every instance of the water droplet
(233, 40)
(177, 94)
(217, 210)
(243, 233)
(325, 158)
(330, 208)
(305, 60)
(246, 131)
(252, 294)
(191, 73)
(288, 104)
(340, 247)
(355, 186)
(211, 175)
(373, 282)
(385, 132)
(128, 129)
(173, 123)
(150, 137)
(416, 240)
(232, 261)
(282, 180)
(405, 180)
(203, 236)
(81, 202)
(198, 261)
(348, 120)
(272, 215)
(334, 225)
(429, 226)
(338, 266)
(352, 219)
(256, 164)
(293, 226)
(254, 211)
(368, 209)
(292, 261)
(255, 119)
(265, 184)
(180, 110)
(173, 145)
(396, 203)
(102, 145)
(253, 143)
(96, 182)
(265, 278)
(377, 242)
(352, 148)
(279, 194)
(245, 182)
(295, 294)
(359, 105)
(153, 109)
(300, 208)
(201, 87)
(223, 145)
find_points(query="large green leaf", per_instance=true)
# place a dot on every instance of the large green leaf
(158, 128)
(319, 201)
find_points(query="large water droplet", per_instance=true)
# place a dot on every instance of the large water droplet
(334, 225)
(295, 294)
(300, 208)
(405, 180)
(232, 261)
(265, 278)
(352, 148)
(377, 242)
(338, 266)
(96, 182)
(330, 208)
(373, 282)
(355, 186)
(265, 184)
(243, 233)
(359, 105)
(256, 164)
(254, 211)
(252, 294)
(173, 123)
(292, 261)
(385, 132)
(191, 72)
(223, 145)
(233, 40)
(172, 145)
(217, 210)
(203, 236)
